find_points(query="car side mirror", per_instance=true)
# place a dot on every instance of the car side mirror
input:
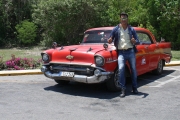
(105, 45)
(54, 45)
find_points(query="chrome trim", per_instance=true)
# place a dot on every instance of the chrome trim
(45, 64)
(99, 68)
(69, 63)
(71, 68)
(93, 66)
(80, 78)
(44, 69)
(112, 61)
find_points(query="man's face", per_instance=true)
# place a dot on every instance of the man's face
(123, 19)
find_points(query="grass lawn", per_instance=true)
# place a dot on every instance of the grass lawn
(34, 53)
(175, 55)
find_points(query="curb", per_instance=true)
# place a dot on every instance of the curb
(166, 65)
(173, 63)
(20, 72)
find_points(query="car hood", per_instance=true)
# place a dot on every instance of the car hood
(76, 54)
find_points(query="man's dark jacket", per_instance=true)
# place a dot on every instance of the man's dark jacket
(115, 34)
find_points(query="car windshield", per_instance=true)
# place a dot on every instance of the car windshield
(97, 36)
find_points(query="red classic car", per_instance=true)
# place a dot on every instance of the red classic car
(95, 61)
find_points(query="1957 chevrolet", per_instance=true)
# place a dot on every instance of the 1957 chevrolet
(95, 61)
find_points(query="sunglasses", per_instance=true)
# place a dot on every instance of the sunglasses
(123, 19)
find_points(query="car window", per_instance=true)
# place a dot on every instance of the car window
(144, 38)
(98, 36)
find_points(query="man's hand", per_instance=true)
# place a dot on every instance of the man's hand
(110, 40)
(133, 41)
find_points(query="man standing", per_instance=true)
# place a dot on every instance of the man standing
(125, 37)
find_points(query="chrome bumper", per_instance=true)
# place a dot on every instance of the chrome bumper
(79, 78)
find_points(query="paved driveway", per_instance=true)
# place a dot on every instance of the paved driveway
(35, 97)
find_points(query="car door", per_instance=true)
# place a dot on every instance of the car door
(153, 55)
(142, 57)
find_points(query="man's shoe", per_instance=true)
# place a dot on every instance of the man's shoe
(123, 93)
(135, 91)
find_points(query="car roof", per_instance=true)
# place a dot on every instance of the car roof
(110, 28)
(100, 28)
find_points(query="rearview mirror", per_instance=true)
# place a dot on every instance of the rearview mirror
(162, 40)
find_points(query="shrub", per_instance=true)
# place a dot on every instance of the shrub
(2, 42)
(26, 32)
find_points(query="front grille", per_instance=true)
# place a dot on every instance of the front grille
(79, 70)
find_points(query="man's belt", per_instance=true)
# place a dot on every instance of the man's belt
(125, 49)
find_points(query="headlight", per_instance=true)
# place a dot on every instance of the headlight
(99, 60)
(45, 57)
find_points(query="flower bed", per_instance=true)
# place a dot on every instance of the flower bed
(19, 63)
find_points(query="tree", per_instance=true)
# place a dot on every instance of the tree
(13, 12)
(165, 15)
(62, 21)
(26, 32)
(2, 26)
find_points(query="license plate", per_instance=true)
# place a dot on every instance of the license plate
(67, 74)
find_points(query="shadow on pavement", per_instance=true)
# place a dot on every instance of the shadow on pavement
(87, 90)
(100, 91)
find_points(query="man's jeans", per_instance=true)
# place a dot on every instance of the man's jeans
(123, 56)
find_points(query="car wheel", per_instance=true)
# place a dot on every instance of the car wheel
(112, 83)
(159, 68)
(62, 82)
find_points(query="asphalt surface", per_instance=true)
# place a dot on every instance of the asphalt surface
(35, 97)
